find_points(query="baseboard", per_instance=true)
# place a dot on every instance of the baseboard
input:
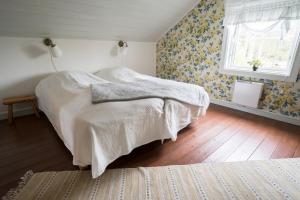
(259, 112)
(17, 112)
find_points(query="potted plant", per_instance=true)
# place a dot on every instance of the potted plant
(255, 63)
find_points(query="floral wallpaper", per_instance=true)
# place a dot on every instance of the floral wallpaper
(191, 50)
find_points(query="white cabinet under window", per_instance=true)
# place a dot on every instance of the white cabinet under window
(264, 33)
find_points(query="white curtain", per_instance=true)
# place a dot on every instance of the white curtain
(267, 27)
(245, 11)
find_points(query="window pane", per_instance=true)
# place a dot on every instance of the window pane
(272, 43)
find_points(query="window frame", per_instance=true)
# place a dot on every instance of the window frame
(261, 73)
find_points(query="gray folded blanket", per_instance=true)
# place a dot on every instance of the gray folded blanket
(144, 89)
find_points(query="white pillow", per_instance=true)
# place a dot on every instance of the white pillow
(83, 79)
(119, 74)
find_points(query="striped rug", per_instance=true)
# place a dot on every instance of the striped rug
(273, 179)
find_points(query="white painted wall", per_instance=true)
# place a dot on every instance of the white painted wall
(25, 61)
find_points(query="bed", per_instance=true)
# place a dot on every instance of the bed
(97, 134)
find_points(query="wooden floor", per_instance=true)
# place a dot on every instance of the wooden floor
(223, 135)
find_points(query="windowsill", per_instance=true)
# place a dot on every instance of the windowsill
(259, 74)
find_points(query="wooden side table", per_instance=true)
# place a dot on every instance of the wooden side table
(14, 100)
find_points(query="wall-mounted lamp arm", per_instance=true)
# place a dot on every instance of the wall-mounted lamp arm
(48, 42)
(122, 44)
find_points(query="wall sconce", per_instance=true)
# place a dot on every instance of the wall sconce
(123, 47)
(122, 44)
(54, 49)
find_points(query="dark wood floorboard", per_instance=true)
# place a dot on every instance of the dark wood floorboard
(222, 135)
(297, 152)
(245, 150)
(288, 143)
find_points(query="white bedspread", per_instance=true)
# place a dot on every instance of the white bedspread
(97, 134)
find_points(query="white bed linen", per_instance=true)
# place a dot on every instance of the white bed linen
(97, 134)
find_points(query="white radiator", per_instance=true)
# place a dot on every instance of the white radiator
(247, 93)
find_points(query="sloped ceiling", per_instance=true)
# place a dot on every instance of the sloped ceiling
(134, 20)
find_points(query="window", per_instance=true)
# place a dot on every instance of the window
(261, 48)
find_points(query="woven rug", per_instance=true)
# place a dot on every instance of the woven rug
(274, 179)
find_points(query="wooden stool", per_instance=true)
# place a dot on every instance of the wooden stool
(13, 100)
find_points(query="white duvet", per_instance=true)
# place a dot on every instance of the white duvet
(97, 134)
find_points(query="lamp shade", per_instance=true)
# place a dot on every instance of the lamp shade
(124, 51)
(55, 51)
